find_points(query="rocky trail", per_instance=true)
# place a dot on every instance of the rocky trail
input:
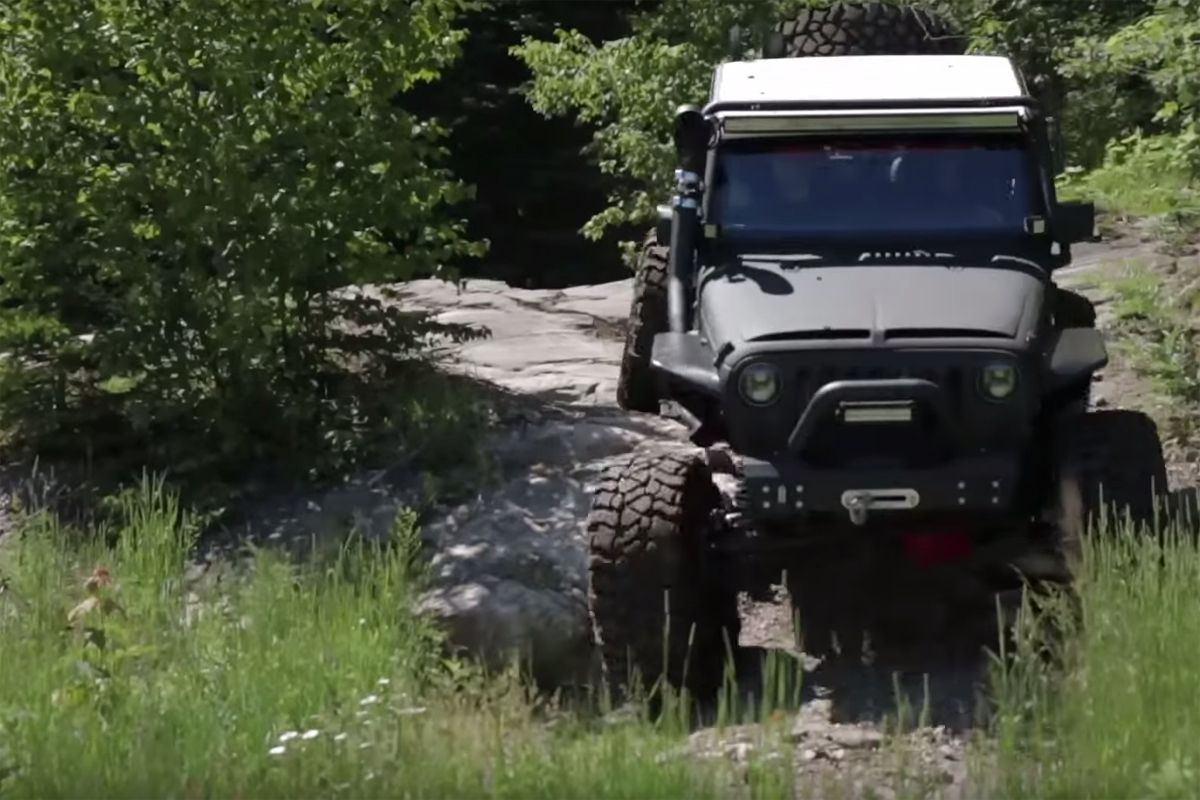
(511, 570)
(510, 566)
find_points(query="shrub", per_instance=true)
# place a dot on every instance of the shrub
(189, 185)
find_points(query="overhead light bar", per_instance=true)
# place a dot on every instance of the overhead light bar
(767, 123)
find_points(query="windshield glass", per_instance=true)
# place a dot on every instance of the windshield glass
(913, 184)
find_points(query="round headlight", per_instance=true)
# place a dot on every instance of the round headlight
(759, 384)
(998, 381)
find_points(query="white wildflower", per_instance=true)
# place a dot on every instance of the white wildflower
(369, 700)
(311, 734)
(287, 736)
(408, 712)
(278, 750)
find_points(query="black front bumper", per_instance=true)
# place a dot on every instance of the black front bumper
(791, 489)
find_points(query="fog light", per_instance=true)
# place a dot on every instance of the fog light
(759, 384)
(998, 381)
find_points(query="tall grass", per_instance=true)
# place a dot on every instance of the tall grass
(1125, 719)
(121, 679)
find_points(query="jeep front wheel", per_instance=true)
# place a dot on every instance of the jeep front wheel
(1111, 467)
(637, 384)
(660, 609)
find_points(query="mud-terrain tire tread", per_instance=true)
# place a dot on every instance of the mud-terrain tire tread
(638, 387)
(647, 528)
(1116, 458)
(846, 29)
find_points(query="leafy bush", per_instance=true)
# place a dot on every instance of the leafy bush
(629, 89)
(189, 186)
(1147, 75)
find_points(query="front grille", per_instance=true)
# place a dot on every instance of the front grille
(911, 445)
(809, 380)
(976, 423)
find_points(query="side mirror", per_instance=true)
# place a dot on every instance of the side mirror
(1075, 222)
(662, 224)
(691, 139)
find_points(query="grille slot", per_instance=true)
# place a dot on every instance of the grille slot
(950, 379)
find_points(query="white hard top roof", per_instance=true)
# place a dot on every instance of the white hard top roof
(844, 79)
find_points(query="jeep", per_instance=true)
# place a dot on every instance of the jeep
(850, 303)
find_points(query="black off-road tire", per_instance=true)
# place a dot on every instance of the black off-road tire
(1073, 310)
(1112, 468)
(649, 532)
(638, 387)
(852, 29)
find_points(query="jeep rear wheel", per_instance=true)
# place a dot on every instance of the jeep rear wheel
(637, 383)
(853, 29)
(649, 534)
(1111, 467)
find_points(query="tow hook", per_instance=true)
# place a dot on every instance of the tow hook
(859, 502)
(856, 504)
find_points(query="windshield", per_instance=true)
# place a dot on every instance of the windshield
(873, 186)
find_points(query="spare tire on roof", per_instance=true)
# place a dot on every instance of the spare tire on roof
(864, 29)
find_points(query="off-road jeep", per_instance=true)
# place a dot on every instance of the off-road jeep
(856, 319)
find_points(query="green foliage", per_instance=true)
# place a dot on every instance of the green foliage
(193, 184)
(1145, 78)
(629, 89)
(1135, 105)
(1156, 326)
(1145, 176)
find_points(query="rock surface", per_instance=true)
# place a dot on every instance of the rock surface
(510, 569)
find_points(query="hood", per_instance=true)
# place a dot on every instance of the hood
(762, 301)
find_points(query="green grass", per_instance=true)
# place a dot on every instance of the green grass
(1145, 177)
(1157, 311)
(1125, 722)
(286, 681)
(317, 680)
(1156, 328)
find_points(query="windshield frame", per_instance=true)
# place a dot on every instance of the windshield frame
(1037, 201)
